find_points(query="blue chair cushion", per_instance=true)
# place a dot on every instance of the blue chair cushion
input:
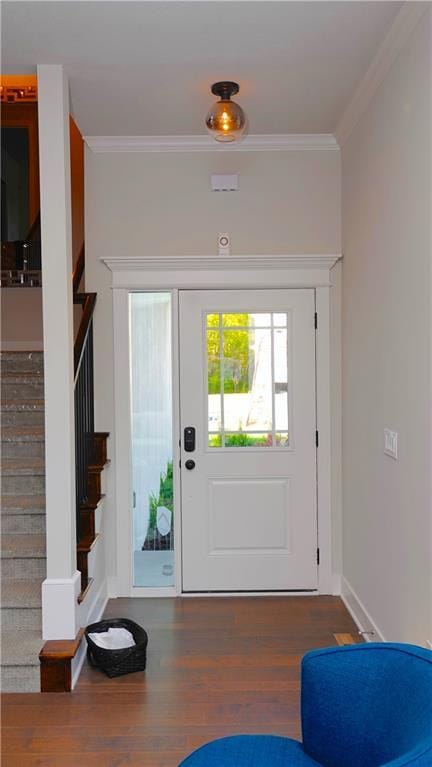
(250, 751)
(367, 705)
(417, 758)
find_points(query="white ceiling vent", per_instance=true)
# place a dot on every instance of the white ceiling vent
(225, 183)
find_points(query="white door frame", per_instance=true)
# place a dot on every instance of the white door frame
(171, 274)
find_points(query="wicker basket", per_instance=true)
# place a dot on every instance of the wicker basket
(117, 662)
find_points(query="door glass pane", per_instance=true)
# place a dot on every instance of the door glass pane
(247, 439)
(247, 370)
(281, 379)
(214, 371)
(245, 320)
(152, 440)
(235, 320)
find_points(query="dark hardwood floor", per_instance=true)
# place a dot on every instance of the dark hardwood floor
(215, 667)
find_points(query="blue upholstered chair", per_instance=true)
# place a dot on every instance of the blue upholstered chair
(367, 705)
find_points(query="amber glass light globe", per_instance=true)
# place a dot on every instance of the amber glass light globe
(225, 120)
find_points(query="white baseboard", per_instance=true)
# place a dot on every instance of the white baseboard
(113, 587)
(94, 614)
(115, 590)
(337, 586)
(358, 612)
(78, 661)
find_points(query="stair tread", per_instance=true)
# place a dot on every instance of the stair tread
(22, 376)
(22, 404)
(95, 467)
(21, 593)
(23, 434)
(23, 545)
(93, 505)
(32, 354)
(87, 544)
(23, 466)
(27, 361)
(21, 648)
(13, 504)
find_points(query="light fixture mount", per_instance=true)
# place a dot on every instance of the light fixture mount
(225, 89)
(225, 121)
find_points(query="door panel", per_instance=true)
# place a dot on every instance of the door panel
(247, 387)
(247, 514)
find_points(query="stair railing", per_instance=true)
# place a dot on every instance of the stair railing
(84, 390)
(21, 260)
(78, 271)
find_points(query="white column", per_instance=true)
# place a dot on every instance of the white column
(60, 589)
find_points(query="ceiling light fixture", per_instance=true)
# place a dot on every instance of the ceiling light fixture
(226, 120)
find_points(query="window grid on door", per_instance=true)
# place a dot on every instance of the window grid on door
(247, 379)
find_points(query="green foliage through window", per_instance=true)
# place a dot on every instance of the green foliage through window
(240, 440)
(237, 354)
(243, 439)
(165, 497)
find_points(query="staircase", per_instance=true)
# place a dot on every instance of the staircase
(23, 566)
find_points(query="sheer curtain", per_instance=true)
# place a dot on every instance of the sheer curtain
(151, 381)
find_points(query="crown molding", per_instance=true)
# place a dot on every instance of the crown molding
(252, 143)
(217, 263)
(398, 34)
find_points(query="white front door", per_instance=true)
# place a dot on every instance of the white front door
(248, 440)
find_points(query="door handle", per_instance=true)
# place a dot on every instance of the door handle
(190, 464)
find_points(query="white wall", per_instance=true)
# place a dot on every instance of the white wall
(161, 204)
(386, 206)
(21, 319)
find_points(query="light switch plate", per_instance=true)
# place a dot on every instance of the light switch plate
(391, 443)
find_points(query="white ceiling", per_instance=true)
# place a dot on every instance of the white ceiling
(145, 68)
